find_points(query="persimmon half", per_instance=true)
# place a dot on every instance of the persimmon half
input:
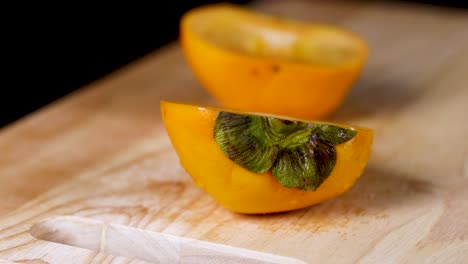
(310, 162)
(250, 61)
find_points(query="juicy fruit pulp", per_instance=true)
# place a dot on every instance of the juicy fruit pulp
(300, 154)
(255, 34)
(190, 129)
(247, 61)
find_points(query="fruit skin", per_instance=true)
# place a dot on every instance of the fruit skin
(190, 129)
(266, 84)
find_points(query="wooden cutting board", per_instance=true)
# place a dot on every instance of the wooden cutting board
(103, 153)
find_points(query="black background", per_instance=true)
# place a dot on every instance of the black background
(53, 50)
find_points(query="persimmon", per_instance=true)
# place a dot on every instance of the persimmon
(257, 163)
(250, 61)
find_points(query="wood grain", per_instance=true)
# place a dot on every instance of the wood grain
(409, 206)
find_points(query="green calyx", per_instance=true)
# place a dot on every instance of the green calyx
(301, 155)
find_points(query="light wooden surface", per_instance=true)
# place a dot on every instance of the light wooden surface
(410, 205)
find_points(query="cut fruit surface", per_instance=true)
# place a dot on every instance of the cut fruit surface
(255, 62)
(191, 130)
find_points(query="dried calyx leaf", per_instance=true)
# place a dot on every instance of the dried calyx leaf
(301, 155)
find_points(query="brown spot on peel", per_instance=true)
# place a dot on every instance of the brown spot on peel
(275, 68)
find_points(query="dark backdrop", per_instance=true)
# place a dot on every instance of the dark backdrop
(53, 50)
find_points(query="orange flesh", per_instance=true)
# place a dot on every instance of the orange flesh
(252, 62)
(258, 35)
(190, 129)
